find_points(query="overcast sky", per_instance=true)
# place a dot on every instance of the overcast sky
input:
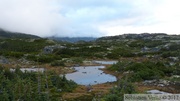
(90, 17)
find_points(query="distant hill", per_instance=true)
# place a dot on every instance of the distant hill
(73, 39)
(142, 36)
(8, 34)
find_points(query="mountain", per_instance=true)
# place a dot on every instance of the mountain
(142, 36)
(8, 34)
(73, 39)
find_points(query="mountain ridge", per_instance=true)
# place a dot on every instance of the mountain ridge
(73, 39)
(143, 36)
(8, 34)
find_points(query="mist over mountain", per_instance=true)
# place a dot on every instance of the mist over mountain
(8, 34)
(73, 39)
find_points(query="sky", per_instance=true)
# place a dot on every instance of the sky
(90, 18)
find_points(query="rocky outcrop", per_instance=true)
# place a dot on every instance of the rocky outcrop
(3, 60)
(159, 83)
(49, 49)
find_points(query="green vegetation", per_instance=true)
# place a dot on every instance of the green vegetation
(141, 57)
(147, 70)
(23, 45)
(58, 63)
(117, 93)
(32, 86)
(7, 35)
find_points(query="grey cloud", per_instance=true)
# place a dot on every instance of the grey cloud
(30, 16)
(74, 17)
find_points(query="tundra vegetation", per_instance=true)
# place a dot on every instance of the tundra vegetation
(141, 57)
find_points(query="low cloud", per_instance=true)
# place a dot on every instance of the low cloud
(89, 17)
(39, 17)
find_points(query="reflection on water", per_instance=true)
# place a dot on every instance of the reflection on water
(157, 92)
(86, 75)
(105, 62)
(30, 70)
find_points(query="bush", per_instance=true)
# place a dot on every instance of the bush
(14, 54)
(119, 66)
(57, 63)
(144, 71)
(32, 86)
(77, 60)
(113, 97)
(117, 93)
(41, 58)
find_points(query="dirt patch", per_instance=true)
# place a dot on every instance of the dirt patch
(94, 90)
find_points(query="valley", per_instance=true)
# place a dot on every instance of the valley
(139, 62)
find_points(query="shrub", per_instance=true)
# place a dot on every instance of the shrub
(144, 70)
(117, 93)
(57, 63)
(41, 58)
(119, 66)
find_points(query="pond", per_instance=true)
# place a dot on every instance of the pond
(105, 62)
(154, 91)
(92, 75)
(30, 70)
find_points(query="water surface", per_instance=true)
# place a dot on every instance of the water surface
(86, 75)
(30, 70)
(105, 62)
(154, 91)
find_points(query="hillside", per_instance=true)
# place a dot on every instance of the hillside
(8, 34)
(142, 36)
(73, 39)
(145, 62)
